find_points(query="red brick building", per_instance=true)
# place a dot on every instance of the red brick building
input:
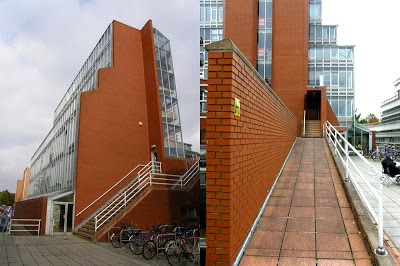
(246, 153)
(116, 136)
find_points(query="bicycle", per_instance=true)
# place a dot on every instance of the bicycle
(136, 242)
(163, 234)
(183, 250)
(121, 237)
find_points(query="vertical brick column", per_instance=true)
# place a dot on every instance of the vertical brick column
(244, 153)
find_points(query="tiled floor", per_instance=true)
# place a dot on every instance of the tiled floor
(308, 220)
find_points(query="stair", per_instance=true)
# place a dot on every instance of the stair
(115, 209)
(313, 129)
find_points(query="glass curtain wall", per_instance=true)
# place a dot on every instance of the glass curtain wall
(211, 19)
(335, 63)
(264, 40)
(173, 143)
(53, 165)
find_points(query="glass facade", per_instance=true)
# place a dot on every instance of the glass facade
(264, 39)
(173, 143)
(332, 63)
(211, 18)
(53, 165)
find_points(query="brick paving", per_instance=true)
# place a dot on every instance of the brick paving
(65, 250)
(308, 219)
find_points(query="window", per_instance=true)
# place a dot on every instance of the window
(213, 14)
(203, 101)
(220, 13)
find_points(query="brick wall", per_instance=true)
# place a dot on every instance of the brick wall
(241, 25)
(290, 54)
(244, 154)
(32, 209)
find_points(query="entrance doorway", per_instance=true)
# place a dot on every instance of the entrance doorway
(62, 217)
(154, 160)
(313, 105)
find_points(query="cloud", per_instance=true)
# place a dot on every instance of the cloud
(41, 52)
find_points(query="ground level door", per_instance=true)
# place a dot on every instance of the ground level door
(62, 217)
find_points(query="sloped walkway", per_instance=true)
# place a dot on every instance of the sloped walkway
(308, 219)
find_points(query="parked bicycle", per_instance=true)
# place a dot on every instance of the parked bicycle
(185, 250)
(123, 235)
(157, 242)
(386, 150)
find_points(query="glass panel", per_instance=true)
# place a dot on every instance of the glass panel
(327, 53)
(342, 79)
(58, 216)
(342, 53)
(312, 32)
(325, 32)
(327, 79)
(173, 145)
(342, 108)
(334, 53)
(319, 53)
(332, 32)
(334, 79)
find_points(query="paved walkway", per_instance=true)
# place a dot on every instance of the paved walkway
(65, 250)
(308, 219)
(391, 199)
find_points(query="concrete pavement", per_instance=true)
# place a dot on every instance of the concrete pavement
(308, 219)
(65, 250)
(391, 199)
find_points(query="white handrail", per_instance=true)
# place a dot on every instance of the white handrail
(101, 218)
(37, 224)
(304, 123)
(116, 184)
(150, 174)
(335, 138)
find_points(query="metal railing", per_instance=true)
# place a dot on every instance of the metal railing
(150, 174)
(114, 206)
(342, 148)
(25, 225)
(304, 123)
(175, 180)
(116, 184)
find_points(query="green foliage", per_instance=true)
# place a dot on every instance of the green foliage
(6, 198)
(370, 119)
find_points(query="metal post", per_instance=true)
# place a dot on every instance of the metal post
(380, 250)
(95, 224)
(346, 145)
(125, 199)
(336, 141)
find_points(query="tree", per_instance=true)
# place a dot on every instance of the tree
(371, 118)
(6, 198)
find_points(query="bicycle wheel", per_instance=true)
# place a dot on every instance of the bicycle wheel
(136, 245)
(376, 156)
(115, 241)
(175, 254)
(149, 249)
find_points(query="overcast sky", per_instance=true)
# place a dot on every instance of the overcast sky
(44, 43)
(373, 27)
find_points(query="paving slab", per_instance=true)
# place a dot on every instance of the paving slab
(310, 221)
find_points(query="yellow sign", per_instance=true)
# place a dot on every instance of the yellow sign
(237, 107)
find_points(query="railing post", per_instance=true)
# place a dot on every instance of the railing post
(336, 141)
(125, 199)
(38, 233)
(9, 228)
(346, 145)
(380, 250)
(95, 224)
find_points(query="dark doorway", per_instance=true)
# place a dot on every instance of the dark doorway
(313, 105)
